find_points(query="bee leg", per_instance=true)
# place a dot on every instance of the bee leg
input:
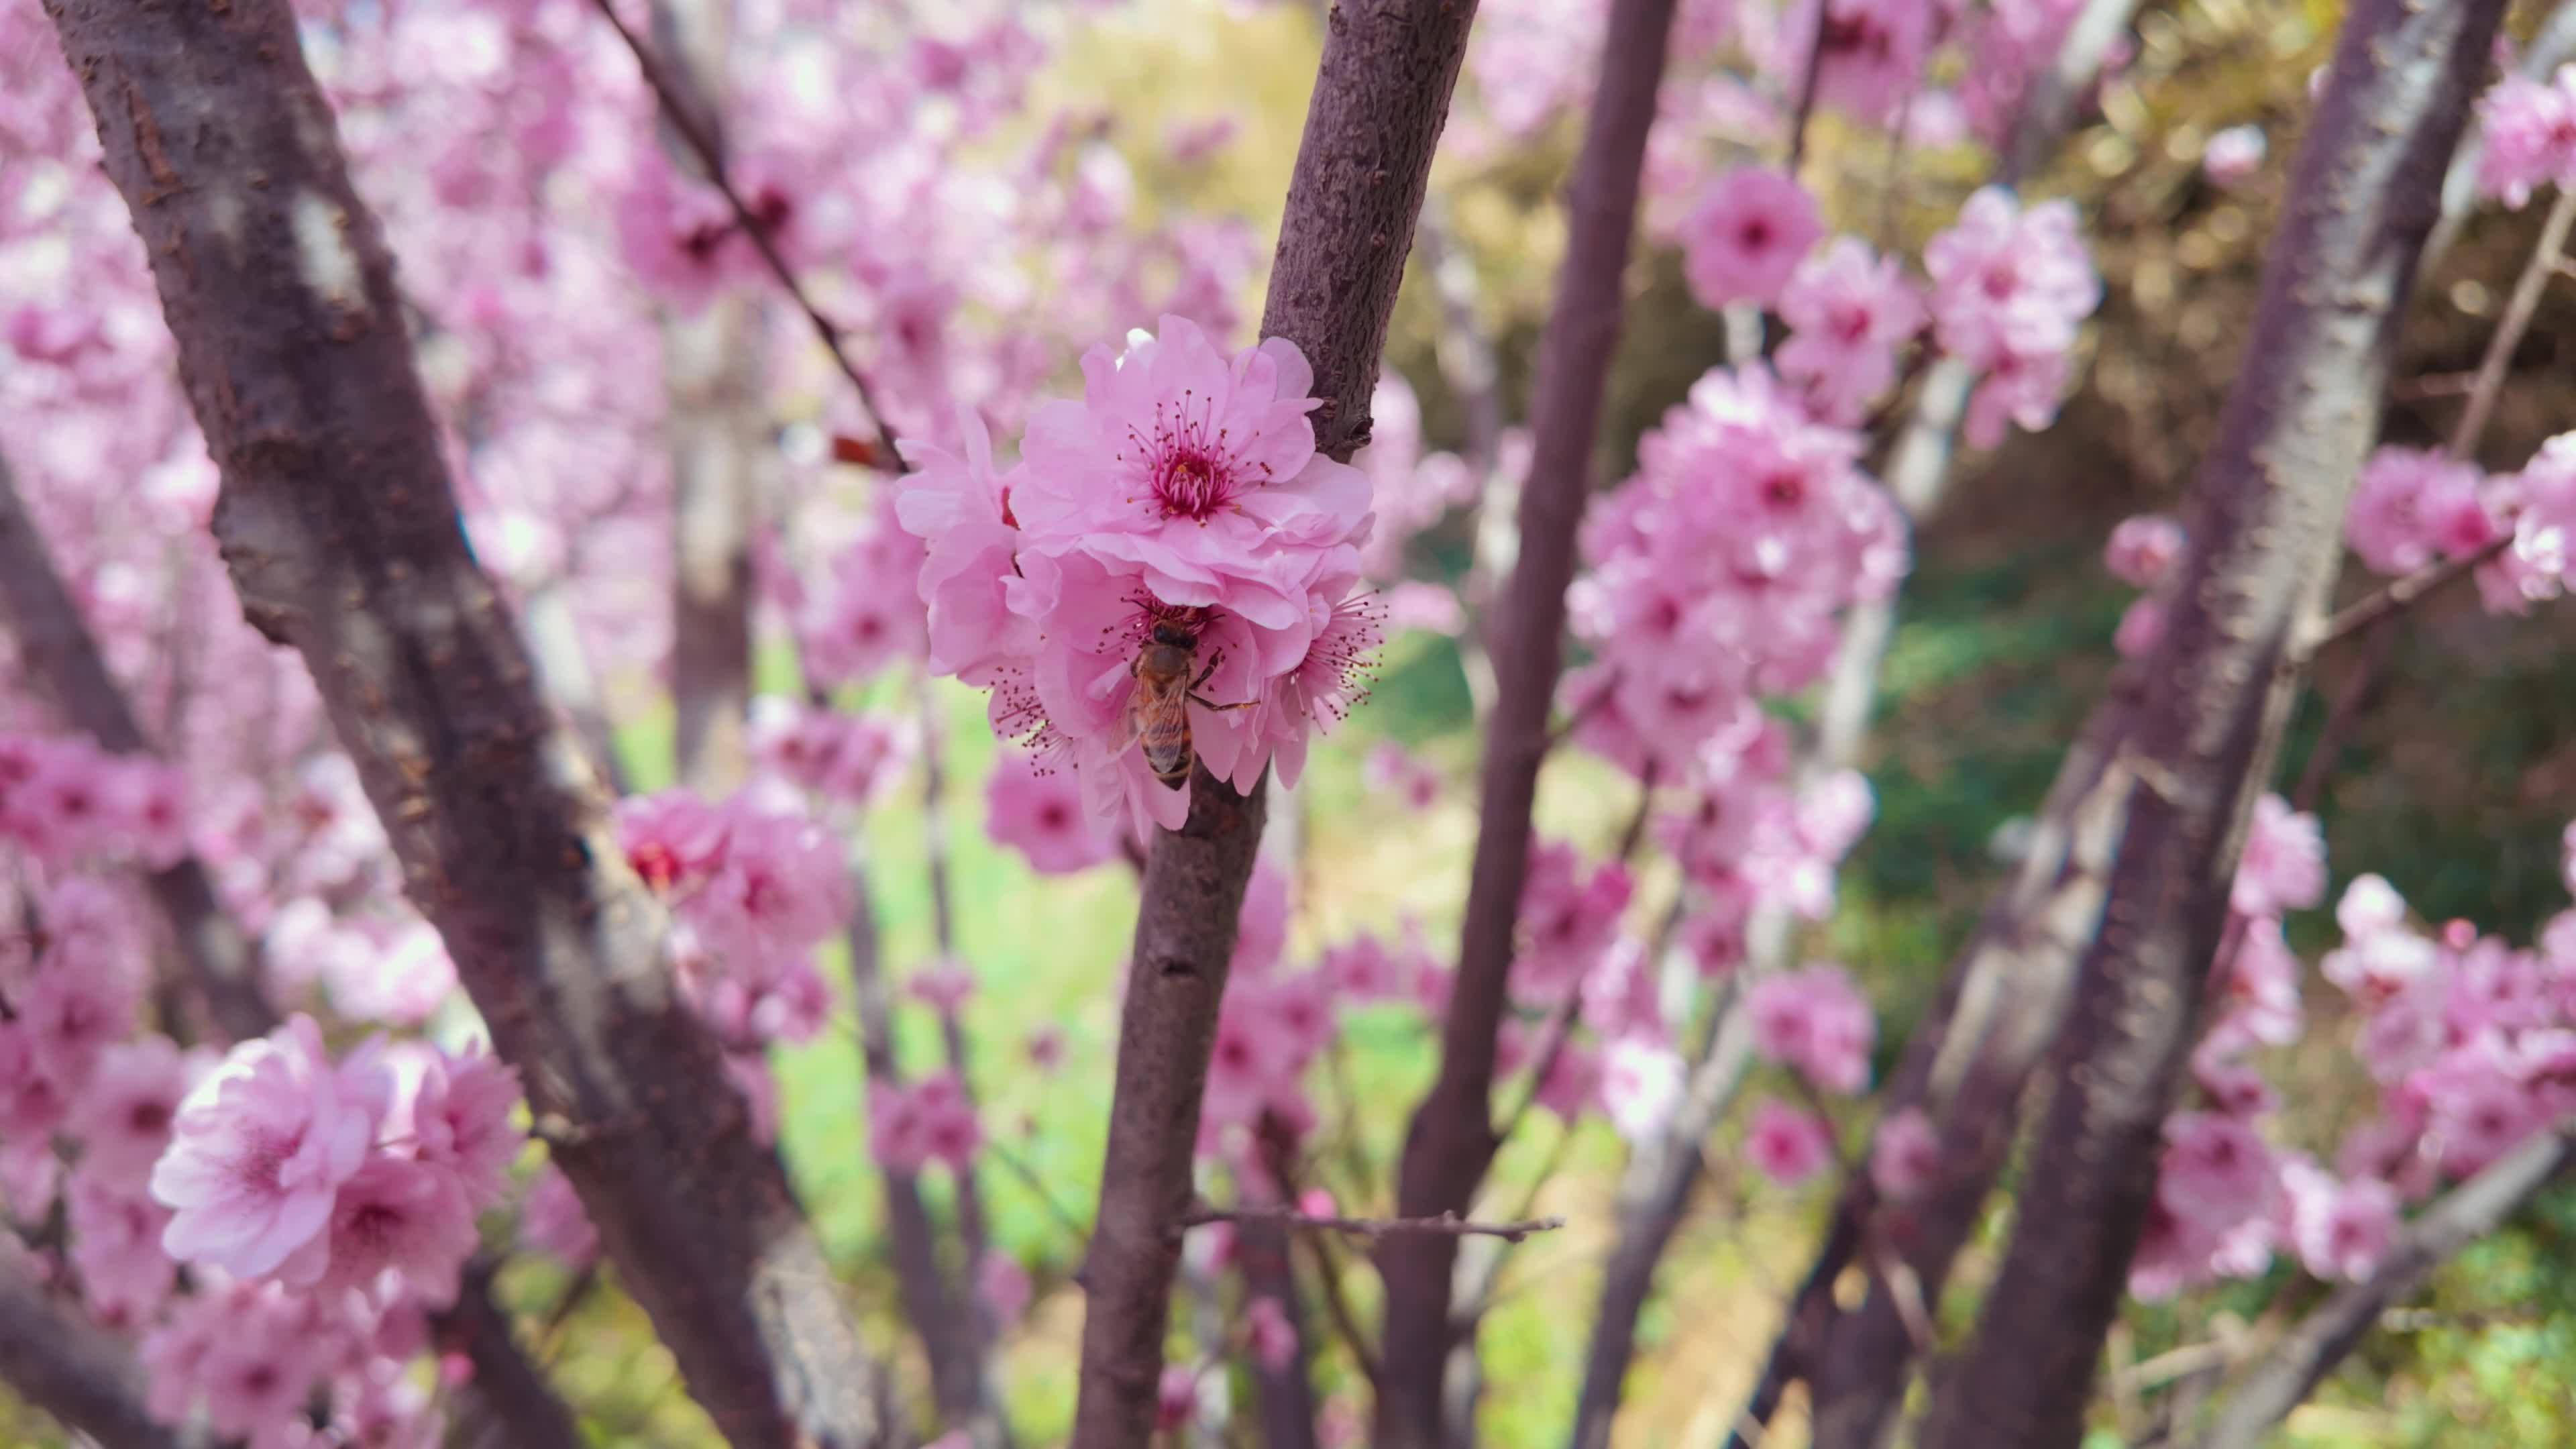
(1213, 661)
(1221, 708)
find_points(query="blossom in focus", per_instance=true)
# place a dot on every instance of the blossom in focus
(2528, 129)
(1848, 311)
(261, 1148)
(2283, 867)
(2233, 155)
(1745, 236)
(399, 1213)
(1182, 489)
(1785, 1144)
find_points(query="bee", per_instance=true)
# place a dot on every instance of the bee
(1158, 712)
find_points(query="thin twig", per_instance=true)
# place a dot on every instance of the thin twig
(1019, 1167)
(1446, 1225)
(1807, 88)
(2518, 312)
(676, 108)
(2396, 594)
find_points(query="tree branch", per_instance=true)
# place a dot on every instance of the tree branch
(2477, 1207)
(682, 115)
(1381, 98)
(2266, 537)
(339, 524)
(1447, 1225)
(59, 1361)
(1451, 1141)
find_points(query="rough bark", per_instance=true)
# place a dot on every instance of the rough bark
(2265, 535)
(1451, 1141)
(220, 963)
(711, 375)
(339, 524)
(1381, 98)
(2477, 1207)
(60, 1362)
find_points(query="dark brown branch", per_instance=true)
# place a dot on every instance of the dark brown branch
(2477, 1207)
(1264, 1257)
(1381, 98)
(1451, 1141)
(221, 962)
(682, 116)
(60, 1362)
(2266, 536)
(508, 1402)
(340, 526)
(1447, 1225)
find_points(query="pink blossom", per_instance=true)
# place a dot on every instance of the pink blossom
(2283, 867)
(2021, 388)
(2260, 989)
(1569, 916)
(1847, 312)
(944, 985)
(1905, 1157)
(2478, 1111)
(1176, 1396)
(961, 507)
(2216, 1170)
(399, 1214)
(2529, 131)
(1261, 929)
(1003, 1285)
(262, 1147)
(1365, 969)
(778, 890)
(2404, 502)
(1573, 1081)
(1873, 51)
(399, 975)
(124, 1116)
(2233, 155)
(2141, 627)
(673, 839)
(1816, 1021)
(1045, 1047)
(2380, 957)
(867, 615)
(2144, 550)
(1273, 1339)
(1746, 235)
(458, 1119)
(843, 757)
(2009, 280)
(552, 1220)
(1039, 811)
(1251, 1063)
(1183, 493)
(1787, 1145)
(1406, 777)
(2341, 1229)
(116, 1246)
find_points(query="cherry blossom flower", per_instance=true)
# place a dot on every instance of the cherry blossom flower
(1847, 312)
(2010, 286)
(1787, 1145)
(458, 1120)
(1273, 1338)
(2216, 1170)
(1569, 916)
(396, 1213)
(2406, 503)
(2283, 867)
(1003, 1285)
(2529, 133)
(1816, 1021)
(2144, 550)
(261, 1148)
(2340, 1229)
(1905, 1157)
(673, 839)
(552, 1222)
(1040, 813)
(116, 1246)
(1873, 51)
(124, 1116)
(1641, 1084)
(1746, 235)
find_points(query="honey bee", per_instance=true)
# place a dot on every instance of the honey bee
(1158, 712)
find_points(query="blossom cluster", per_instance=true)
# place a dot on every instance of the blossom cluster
(2528, 136)
(64, 800)
(1181, 494)
(2412, 508)
(752, 891)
